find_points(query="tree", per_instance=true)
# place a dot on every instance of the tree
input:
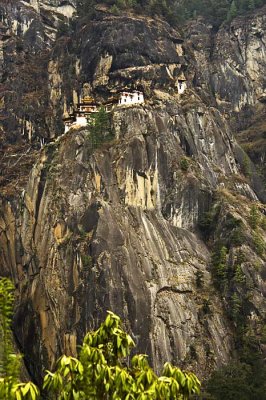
(219, 264)
(99, 127)
(232, 12)
(10, 386)
(230, 382)
(101, 372)
(254, 217)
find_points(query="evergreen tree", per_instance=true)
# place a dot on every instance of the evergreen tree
(232, 13)
(251, 4)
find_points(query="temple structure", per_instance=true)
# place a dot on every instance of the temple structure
(128, 98)
(80, 116)
(181, 84)
(88, 106)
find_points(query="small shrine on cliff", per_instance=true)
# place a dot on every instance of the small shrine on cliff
(128, 98)
(181, 84)
(80, 116)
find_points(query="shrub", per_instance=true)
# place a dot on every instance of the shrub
(184, 164)
(258, 243)
(219, 266)
(254, 217)
(239, 275)
(199, 278)
(237, 237)
(100, 371)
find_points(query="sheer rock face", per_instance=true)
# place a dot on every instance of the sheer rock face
(117, 227)
(106, 230)
(232, 61)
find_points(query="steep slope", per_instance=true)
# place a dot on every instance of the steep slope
(231, 67)
(130, 225)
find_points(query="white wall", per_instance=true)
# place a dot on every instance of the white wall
(130, 98)
(181, 86)
(82, 121)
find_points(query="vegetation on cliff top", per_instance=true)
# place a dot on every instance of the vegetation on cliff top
(176, 11)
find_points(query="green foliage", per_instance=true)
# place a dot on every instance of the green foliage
(184, 164)
(235, 307)
(244, 379)
(6, 312)
(176, 12)
(254, 217)
(208, 220)
(99, 127)
(219, 267)
(86, 260)
(263, 222)
(115, 10)
(206, 306)
(259, 244)
(199, 278)
(230, 383)
(246, 166)
(239, 275)
(100, 371)
(232, 12)
(237, 237)
(10, 387)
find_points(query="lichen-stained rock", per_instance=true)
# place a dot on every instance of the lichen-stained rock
(119, 226)
(230, 74)
(112, 228)
(232, 61)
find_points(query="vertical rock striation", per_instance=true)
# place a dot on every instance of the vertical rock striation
(120, 226)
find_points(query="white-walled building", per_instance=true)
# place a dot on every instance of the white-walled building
(127, 98)
(181, 83)
(88, 106)
(181, 86)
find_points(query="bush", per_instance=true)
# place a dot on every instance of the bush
(237, 236)
(100, 371)
(199, 278)
(258, 243)
(219, 267)
(184, 164)
(100, 128)
(254, 217)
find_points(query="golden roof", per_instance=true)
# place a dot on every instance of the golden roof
(88, 100)
(181, 77)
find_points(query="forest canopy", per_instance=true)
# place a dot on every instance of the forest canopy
(178, 11)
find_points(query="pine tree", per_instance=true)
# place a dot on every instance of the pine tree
(232, 13)
(251, 4)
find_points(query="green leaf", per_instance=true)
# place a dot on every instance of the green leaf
(18, 395)
(25, 389)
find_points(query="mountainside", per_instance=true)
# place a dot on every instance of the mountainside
(164, 223)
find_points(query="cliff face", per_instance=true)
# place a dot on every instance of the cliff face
(230, 66)
(123, 226)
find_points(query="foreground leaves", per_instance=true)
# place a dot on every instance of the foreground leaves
(101, 373)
